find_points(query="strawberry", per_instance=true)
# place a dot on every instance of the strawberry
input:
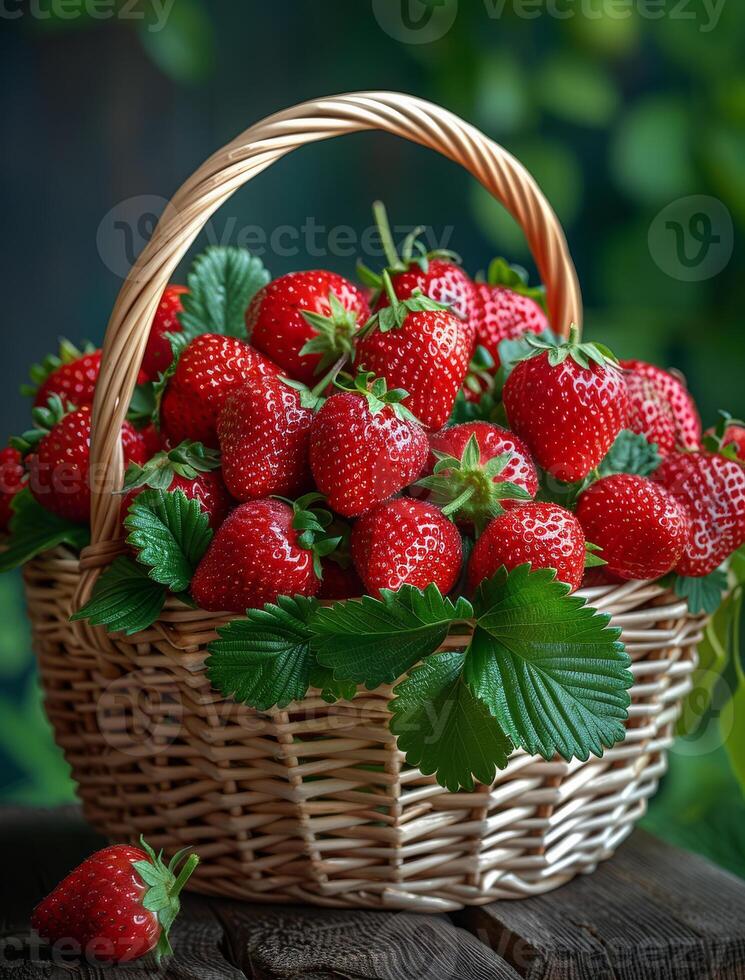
(209, 368)
(640, 529)
(339, 582)
(12, 481)
(58, 458)
(264, 549)
(479, 470)
(118, 905)
(712, 488)
(158, 353)
(650, 415)
(734, 439)
(365, 446)
(672, 391)
(568, 403)
(264, 433)
(406, 542)
(436, 275)
(546, 535)
(71, 375)
(505, 308)
(727, 438)
(189, 467)
(152, 439)
(418, 346)
(304, 321)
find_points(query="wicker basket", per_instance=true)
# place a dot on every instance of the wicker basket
(315, 803)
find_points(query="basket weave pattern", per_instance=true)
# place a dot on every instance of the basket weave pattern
(315, 803)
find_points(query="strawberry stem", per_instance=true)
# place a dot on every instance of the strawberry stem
(184, 874)
(386, 238)
(456, 504)
(329, 377)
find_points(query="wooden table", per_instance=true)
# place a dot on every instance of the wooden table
(652, 913)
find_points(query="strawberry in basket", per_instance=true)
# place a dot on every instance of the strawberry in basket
(506, 308)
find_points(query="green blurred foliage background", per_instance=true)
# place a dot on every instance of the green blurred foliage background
(619, 108)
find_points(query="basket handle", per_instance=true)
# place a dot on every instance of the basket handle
(231, 167)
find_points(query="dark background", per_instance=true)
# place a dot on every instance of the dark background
(620, 108)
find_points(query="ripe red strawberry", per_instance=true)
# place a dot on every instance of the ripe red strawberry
(436, 275)
(118, 905)
(152, 439)
(640, 528)
(727, 438)
(12, 481)
(712, 489)
(71, 376)
(339, 582)
(158, 353)
(207, 371)
(264, 434)
(305, 321)
(189, 467)
(480, 469)
(505, 308)
(406, 542)
(546, 535)
(364, 447)
(264, 549)
(420, 348)
(58, 460)
(568, 403)
(674, 392)
(734, 437)
(650, 415)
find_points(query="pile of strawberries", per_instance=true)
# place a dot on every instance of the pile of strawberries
(422, 428)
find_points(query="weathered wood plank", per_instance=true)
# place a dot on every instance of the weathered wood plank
(651, 913)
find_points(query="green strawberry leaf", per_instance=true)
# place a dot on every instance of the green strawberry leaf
(548, 667)
(170, 533)
(222, 281)
(125, 599)
(375, 641)
(331, 689)
(266, 659)
(142, 405)
(630, 453)
(34, 530)
(444, 728)
(705, 594)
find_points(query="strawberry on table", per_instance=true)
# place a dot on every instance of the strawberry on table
(417, 345)
(671, 390)
(506, 308)
(209, 368)
(118, 905)
(712, 489)
(159, 353)
(406, 542)
(365, 446)
(437, 275)
(58, 450)
(544, 534)
(264, 549)
(568, 403)
(304, 321)
(12, 481)
(264, 434)
(190, 467)
(478, 469)
(640, 529)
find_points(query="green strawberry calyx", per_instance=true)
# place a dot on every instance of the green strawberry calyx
(393, 316)
(512, 277)
(470, 489)
(68, 353)
(187, 460)
(413, 251)
(44, 417)
(714, 442)
(335, 333)
(375, 391)
(314, 527)
(165, 882)
(583, 354)
(592, 555)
